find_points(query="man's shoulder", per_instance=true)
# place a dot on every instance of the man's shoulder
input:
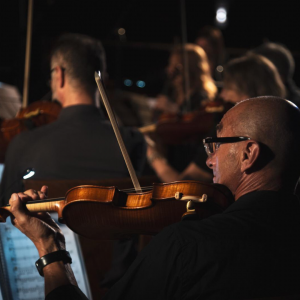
(34, 134)
(217, 228)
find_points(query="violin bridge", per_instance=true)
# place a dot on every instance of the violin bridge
(32, 113)
(180, 196)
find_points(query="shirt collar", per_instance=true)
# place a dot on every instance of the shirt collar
(261, 199)
(74, 111)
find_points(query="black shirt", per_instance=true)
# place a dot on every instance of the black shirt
(80, 144)
(251, 250)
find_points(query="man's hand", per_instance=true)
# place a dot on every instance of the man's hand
(46, 236)
(40, 228)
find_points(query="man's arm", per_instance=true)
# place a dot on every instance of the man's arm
(168, 174)
(46, 235)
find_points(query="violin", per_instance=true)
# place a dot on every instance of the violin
(174, 129)
(36, 114)
(100, 212)
(108, 213)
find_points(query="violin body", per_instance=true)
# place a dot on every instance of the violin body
(107, 213)
(184, 128)
(36, 114)
(174, 129)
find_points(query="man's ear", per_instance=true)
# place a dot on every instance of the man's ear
(61, 76)
(250, 154)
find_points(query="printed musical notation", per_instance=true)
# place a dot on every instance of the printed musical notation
(20, 255)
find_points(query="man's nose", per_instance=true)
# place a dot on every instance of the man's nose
(209, 161)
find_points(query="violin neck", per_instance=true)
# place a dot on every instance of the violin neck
(49, 205)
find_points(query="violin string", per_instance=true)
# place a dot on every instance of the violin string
(145, 188)
(42, 201)
(133, 190)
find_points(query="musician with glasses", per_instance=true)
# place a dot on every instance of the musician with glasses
(80, 144)
(250, 251)
(244, 77)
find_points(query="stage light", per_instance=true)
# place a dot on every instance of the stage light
(121, 31)
(141, 84)
(128, 82)
(221, 15)
(28, 173)
(220, 68)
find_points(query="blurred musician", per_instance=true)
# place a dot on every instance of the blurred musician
(201, 85)
(182, 94)
(80, 144)
(251, 76)
(283, 60)
(10, 101)
(248, 76)
(211, 40)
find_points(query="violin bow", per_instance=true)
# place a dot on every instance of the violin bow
(27, 55)
(185, 63)
(114, 124)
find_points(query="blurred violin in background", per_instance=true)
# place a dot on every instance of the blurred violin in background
(174, 129)
(30, 116)
(36, 114)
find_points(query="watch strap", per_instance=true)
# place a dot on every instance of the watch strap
(60, 255)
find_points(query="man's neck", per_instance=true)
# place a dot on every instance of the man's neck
(257, 182)
(77, 98)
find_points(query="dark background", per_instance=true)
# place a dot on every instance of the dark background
(152, 27)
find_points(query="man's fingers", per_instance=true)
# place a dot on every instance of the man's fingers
(37, 195)
(18, 209)
(33, 194)
(44, 190)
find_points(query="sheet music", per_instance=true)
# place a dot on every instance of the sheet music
(20, 257)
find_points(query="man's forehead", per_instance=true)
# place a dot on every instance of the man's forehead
(219, 127)
(228, 120)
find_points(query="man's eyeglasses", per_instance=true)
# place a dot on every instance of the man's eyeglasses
(211, 145)
(51, 71)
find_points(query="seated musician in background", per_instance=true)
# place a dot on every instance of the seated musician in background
(211, 39)
(81, 143)
(174, 99)
(201, 85)
(248, 76)
(10, 101)
(249, 251)
(251, 75)
(283, 59)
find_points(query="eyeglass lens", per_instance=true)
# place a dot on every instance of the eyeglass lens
(211, 148)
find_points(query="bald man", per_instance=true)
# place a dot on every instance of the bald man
(250, 251)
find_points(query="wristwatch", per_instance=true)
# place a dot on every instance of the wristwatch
(60, 255)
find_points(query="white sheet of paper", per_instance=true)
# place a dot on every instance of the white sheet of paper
(20, 256)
